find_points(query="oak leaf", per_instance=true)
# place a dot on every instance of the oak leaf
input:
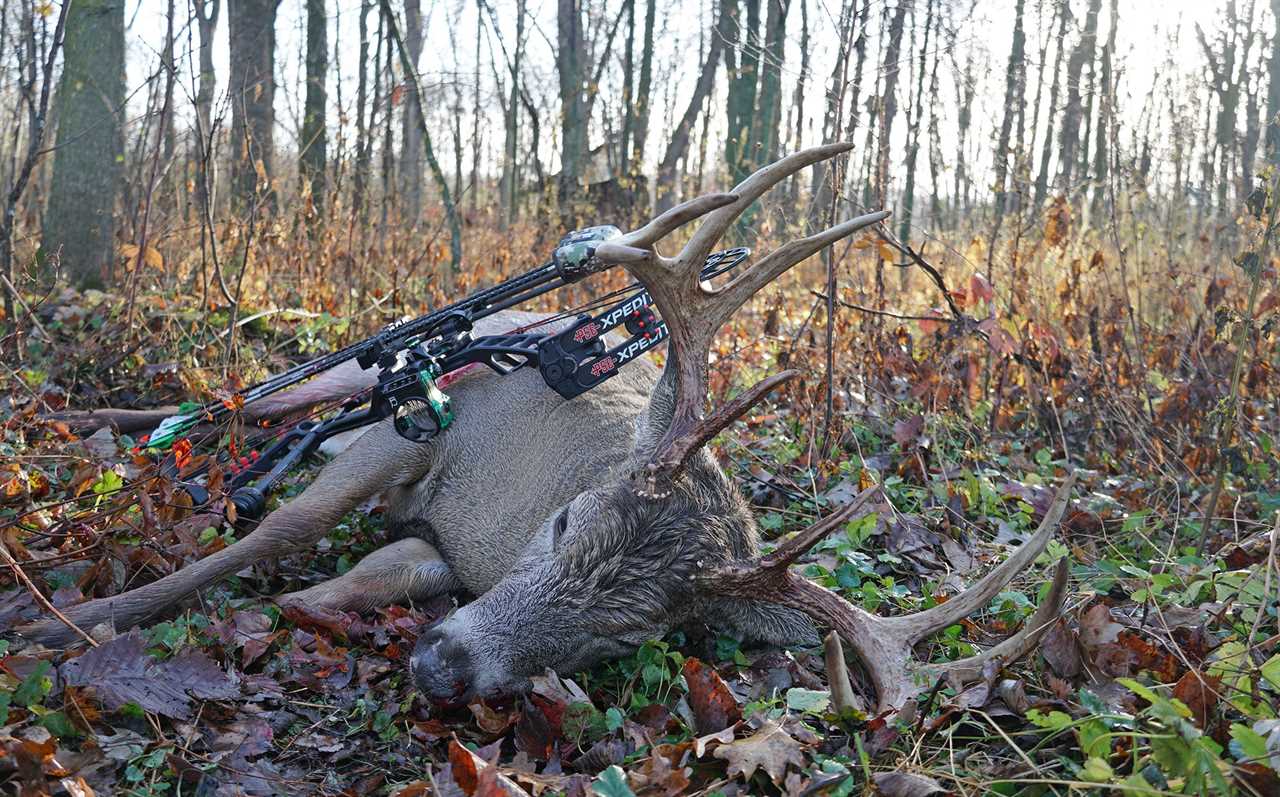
(770, 748)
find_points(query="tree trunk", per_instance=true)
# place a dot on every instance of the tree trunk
(1014, 97)
(641, 133)
(742, 94)
(206, 26)
(628, 90)
(573, 121)
(820, 189)
(1106, 113)
(1273, 88)
(797, 100)
(360, 179)
(410, 139)
(678, 147)
(913, 137)
(252, 38)
(763, 147)
(889, 101)
(313, 159)
(510, 164)
(88, 160)
(1046, 150)
(1069, 137)
(450, 209)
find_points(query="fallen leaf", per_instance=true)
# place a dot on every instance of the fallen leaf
(1097, 628)
(1061, 650)
(714, 706)
(1200, 694)
(770, 748)
(120, 671)
(722, 737)
(905, 784)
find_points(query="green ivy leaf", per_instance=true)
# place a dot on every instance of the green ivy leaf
(1271, 670)
(1247, 744)
(612, 783)
(1096, 770)
(809, 701)
(34, 687)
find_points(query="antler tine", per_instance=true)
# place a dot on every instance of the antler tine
(636, 247)
(918, 626)
(769, 268)
(748, 191)
(884, 644)
(1018, 645)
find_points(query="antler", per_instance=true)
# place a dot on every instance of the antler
(694, 311)
(884, 644)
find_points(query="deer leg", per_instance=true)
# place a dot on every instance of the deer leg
(408, 570)
(378, 460)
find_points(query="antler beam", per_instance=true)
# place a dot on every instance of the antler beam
(694, 311)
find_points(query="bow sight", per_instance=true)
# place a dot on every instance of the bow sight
(411, 357)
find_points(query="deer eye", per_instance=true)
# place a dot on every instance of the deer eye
(558, 528)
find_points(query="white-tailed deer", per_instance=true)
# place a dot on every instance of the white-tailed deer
(586, 527)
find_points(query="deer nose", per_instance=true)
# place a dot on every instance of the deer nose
(441, 669)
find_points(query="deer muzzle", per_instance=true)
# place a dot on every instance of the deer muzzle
(441, 669)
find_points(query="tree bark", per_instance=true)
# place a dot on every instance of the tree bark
(206, 17)
(1046, 150)
(1106, 113)
(450, 209)
(678, 147)
(640, 133)
(913, 138)
(88, 161)
(313, 159)
(1014, 97)
(360, 177)
(1273, 88)
(1069, 137)
(573, 122)
(742, 94)
(763, 147)
(410, 139)
(889, 101)
(252, 38)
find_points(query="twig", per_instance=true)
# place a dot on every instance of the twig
(873, 311)
(21, 575)
(25, 307)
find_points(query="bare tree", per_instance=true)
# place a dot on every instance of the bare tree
(1063, 10)
(1069, 135)
(678, 146)
(88, 163)
(1273, 87)
(38, 52)
(252, 38)
(312, 161)
(410, 140)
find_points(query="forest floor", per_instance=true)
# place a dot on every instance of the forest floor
(1161, 676)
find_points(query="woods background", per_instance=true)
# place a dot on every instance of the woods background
(1078, 276)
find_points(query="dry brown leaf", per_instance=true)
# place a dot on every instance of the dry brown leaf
(770, 748)
(714, 706)
(904, 784)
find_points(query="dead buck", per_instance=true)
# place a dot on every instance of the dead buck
(587, 527)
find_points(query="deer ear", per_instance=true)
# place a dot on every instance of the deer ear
(761, 621)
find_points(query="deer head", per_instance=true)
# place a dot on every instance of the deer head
(672, 539)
